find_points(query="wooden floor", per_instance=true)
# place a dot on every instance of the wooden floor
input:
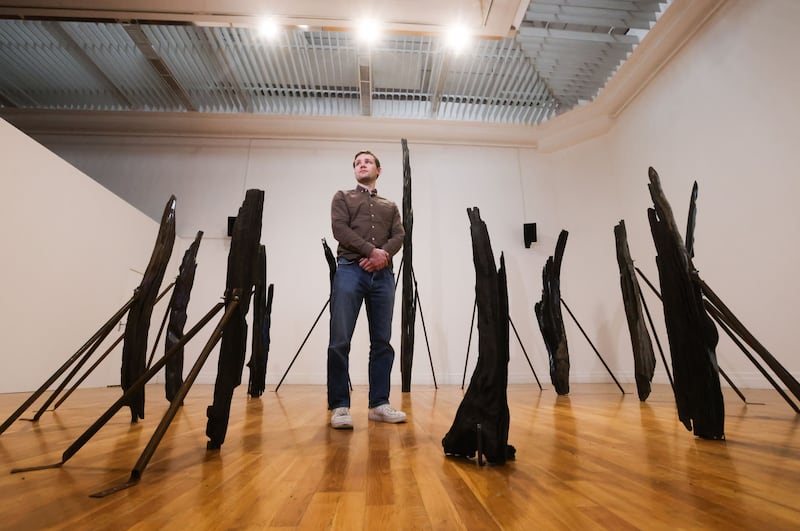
(592, 460)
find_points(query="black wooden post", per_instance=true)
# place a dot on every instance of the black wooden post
(550, 319)
(134, 349)
(177, 316)
(644, 358)
(409, 305)
(241, 266)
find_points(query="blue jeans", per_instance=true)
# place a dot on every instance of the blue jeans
(352, 286)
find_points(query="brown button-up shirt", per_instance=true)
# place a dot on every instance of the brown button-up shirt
(362, 220)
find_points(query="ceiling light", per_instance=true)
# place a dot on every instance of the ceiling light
(457, 38)
(368, 30)
(268, 28)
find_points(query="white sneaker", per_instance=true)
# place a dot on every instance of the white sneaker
(341, 419)
(386, 413)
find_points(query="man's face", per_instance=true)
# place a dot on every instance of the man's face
(365, 170)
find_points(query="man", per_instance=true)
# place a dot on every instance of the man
(369, 232)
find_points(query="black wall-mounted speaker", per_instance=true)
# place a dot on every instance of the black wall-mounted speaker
(231, 222)
(529, 233)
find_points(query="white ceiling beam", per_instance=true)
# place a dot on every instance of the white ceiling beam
(559, 18)
(650, 5)
(142, 42)
(567, 35)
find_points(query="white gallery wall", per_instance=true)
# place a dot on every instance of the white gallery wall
(722, 112)
(299, 179)
(73, 253)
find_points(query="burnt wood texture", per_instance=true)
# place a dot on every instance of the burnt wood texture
(242, 260)
(134, 348)
(550, 319)
(644, 358)
(482, 420)
(177, 316)
(409, 305)
(262, 310)
(691, 332)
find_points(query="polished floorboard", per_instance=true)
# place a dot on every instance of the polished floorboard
(592, 460)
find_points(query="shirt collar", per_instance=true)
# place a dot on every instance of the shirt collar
(361, 188)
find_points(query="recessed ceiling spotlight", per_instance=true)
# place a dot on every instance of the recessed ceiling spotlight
(268, 28)
(368, 30)
(457, 38)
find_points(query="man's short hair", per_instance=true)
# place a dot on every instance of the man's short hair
(367, 152)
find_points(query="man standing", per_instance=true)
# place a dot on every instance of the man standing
(369, 231)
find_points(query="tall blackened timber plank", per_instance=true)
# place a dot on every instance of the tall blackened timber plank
(691, 332)
(134, 349)
(242, 260)
(262, 308)
(550, 319)
(177, 316)
(409, 306)
(644, 358)
(482, 420)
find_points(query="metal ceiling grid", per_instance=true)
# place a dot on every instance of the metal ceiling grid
(495, 82)
(577, 45)
(563, 54)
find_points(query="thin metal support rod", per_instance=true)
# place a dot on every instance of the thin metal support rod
(89, 371)
(123, 400)
(722, 372)
(592, 345)
(103, 356)
(717, 316)
(733, 386)
(163, 321)
(653, 328)
(725, 314)
(469, 342)
(514, 328)
(71, 375)
(397, 277)
(424, 329)
(319, 316)
(75, 370)
(101, 332)
(649, 284)
(177, 402)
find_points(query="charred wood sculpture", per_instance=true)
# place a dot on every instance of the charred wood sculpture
(731, 325)
(644, 358)
(262, 310)
(550, 319)
(177, 316)
(409, 306)
(242, 260)
(482, 420)
(134, 348)
(691, 332)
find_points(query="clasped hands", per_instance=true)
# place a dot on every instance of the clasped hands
(377, 260)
